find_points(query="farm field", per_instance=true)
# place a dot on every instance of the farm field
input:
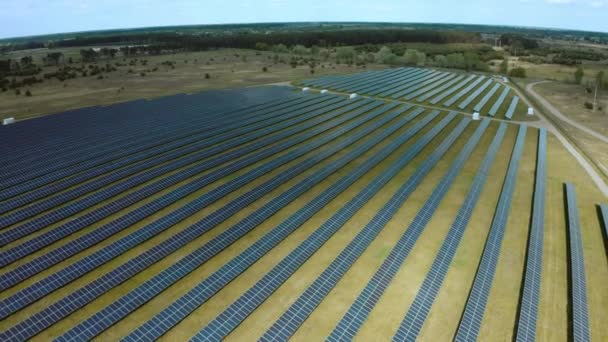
(432, 88)
(300, 215)
(180, 73)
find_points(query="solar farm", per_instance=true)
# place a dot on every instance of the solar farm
(303, 216)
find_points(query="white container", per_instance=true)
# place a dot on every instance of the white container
(305, 89)
(8, 121)
(352, 96)
(530, 111)
(506, 80)
(324, 91)
(476, 116)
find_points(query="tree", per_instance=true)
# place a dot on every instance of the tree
(455, 60)
(346, 53)
(299, 50)
(599, 79)
(578, 74)
(27, 61)
(414, 57)
(440, 61)
(261, 46)
(280, 48)
(504, 66)
(385, 55)
(518, 72)
(314, 50)
(28, 93)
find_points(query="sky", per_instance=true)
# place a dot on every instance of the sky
(32, 17)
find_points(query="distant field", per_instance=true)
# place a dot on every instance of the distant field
(227, 69)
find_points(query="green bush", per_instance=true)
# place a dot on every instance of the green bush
(518, 72)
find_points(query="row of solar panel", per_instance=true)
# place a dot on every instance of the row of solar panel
(167, 140)
(579, 311)
(417, 313)
(91, 291)
(528, 311)
(478, 296)
(151, 288)
(242, 307)
(424, 84)
(99, 234)
(159, 185)
(150, 172)
(149, 158)
(153, 123)
(358, 312)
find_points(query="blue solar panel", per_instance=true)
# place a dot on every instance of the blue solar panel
(110, 150)
(512, 106)
(486, 98)
(129, 183)
(77, 299)
(151, 288)
(237, 311)
(431, 86)
(413, 79)
(528, 311)
(436, 91)
(358, 312)
(416, 315)
(437, 77)
(166, 141)
(403, 84)
(464, 91)
(451, 90)
(474, 95)
(478, 297)
(579, 311)
(368, 87)
(297, 313)
(499, 101)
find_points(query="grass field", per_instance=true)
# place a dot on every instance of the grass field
(226, 67)
(499, 320)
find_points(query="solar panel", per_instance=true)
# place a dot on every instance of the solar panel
(297, 313)
(451, 90)
(397, 86)
(237, 311)
(512, 106)
(358, 312)
(439, 77)
(499, 101)
(431, 86)
(116, 311)
(464, 91)
(528, 311)
(579, 311)
(120, 187)
(395, 78)
(417, 313)
(435, 91)
(76, 161)
(54, 171)
(475, 94)
(9, 279)
(77, 299)
(407, 87)
(478, 297)
(486, 98)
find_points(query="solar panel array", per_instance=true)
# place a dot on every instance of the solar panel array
(528, 311)
(237, 311)
(161, 281)
(420, 84)
(104, 194)
(356, 315)
(137, 264)
(478, 297)
(417, 313)
(579, 310)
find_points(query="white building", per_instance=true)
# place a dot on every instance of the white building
(530, 111)
(476, 116)
(305, 89)
(8, 121)
(324, 91)
(352, 96)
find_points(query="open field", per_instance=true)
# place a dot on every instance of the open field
(227, 68)
(229, 212)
